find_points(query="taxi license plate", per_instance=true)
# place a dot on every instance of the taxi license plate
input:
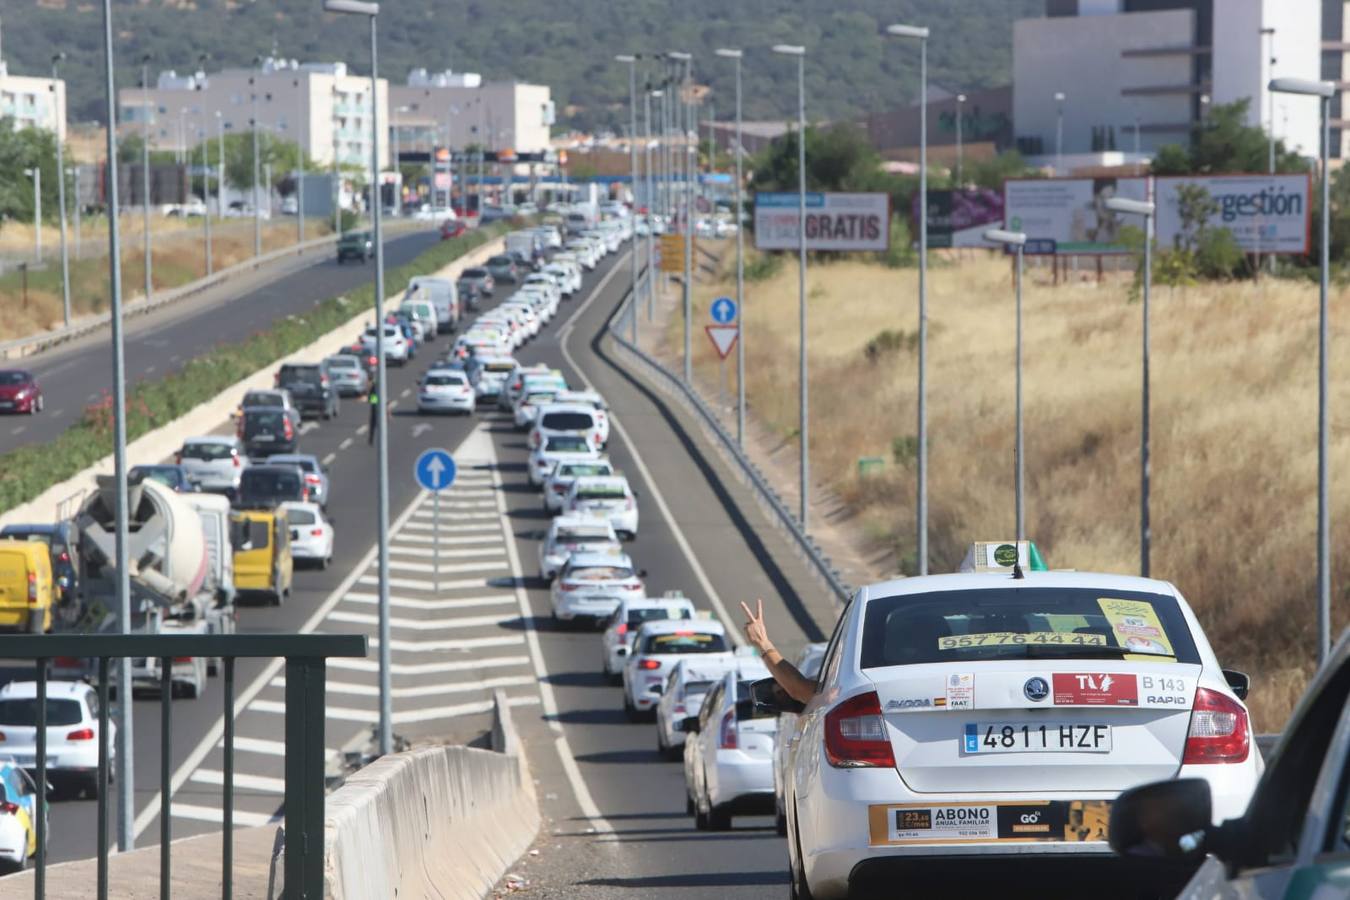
(1036, 737)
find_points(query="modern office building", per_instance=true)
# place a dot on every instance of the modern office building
(1090, 73)
(319, 106)
(33, 102)
(463, 109)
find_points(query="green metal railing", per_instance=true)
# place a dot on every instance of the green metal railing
(305, 656)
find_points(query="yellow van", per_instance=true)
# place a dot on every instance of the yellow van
(25, 586)
(262, 554)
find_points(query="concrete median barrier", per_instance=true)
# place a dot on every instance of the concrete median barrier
(205, 417)
(432, 822)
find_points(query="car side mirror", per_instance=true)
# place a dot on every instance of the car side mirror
(688, 725)
(655, 689)
(621, 651)
(1239, 682)
(768, 699)
(1165, 819)
(642, 573)
(295, 534)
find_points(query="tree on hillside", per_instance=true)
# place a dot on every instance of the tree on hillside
(20, 149)
(1224, 142)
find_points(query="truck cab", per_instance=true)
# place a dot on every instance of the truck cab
(262, 554)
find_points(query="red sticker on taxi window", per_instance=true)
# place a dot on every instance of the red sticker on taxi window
(1095, 689)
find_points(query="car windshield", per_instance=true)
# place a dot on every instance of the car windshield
(583, 536)
(697, 688)
(170, 476)
(9, 379)
(567, 443)
(655, 614)
(344, 362)
(501, 261)
(310, 374)
(567, 421)
(207, 451)
(33, 537)
(23, 711)
(599, 573)
(539, 397)
(1017, 623)
(445, 378)
(685, 642)
(473, 273)
(601, 492)
(499, 367)
(577, 470)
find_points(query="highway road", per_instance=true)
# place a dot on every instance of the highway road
(74, 374)
(614, 811)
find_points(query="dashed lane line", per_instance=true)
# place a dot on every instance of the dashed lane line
(240, 817)
(422, 624)
(426, 690)
(433, 668)
(415, 603)
(328, 460)
(263, 783)
(346, 442)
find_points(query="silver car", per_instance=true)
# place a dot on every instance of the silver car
(214, 461)
(315, 473)
(348, 375)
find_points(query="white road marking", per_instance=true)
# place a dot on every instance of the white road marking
(468, 539)
(421, 624)
(362, 429)
(241, 818)
(149, 370)
(427, 690)
(462, 644)
(418, 584)
(420, 429)
(307, 427)
(267, 748)
(327, 460)
(393, 404)
(430, 552)
(403, 393)
(405, 566)
(412, 603)
(435, 668)
(346, 442)
(19, 430)
(263, 783)
(463, 709)
(56, 414)
(175, 358)
(489, 522)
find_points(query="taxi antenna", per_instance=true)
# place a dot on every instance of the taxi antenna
(1017, 572)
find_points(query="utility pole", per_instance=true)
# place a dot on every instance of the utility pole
(253, 125)
(61, 198)
(738, 205)
(631, 60)
(206, 198)
(148, 108)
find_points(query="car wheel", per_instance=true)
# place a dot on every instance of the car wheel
(798, 889)
(629, 710)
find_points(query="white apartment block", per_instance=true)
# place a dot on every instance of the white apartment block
(462, 109)
(1156, 65)
(317, 105)
(33, 102)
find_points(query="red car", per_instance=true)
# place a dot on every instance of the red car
(452, 228)
(19, 392)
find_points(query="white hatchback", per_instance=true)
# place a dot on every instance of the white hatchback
(962, 719)
(657, 647)
(446, 390)
(312, 535)
(72, 732)
(555, 449)
(592, 585)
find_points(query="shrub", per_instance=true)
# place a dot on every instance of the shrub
(887, 342)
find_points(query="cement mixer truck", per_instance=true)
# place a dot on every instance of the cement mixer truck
(177, 549)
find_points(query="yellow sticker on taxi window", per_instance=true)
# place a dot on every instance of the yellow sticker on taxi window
(1135, 625)
(1002, 638)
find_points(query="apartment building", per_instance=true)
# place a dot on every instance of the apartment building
(461, 109)
(33, 102)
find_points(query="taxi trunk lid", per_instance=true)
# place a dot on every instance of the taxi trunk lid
(1062, 725)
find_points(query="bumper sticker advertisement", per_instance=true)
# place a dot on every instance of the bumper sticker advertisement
(908, 824)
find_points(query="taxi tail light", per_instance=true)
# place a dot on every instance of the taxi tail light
(2, 737)
(64, 662)
(1219, 731)
(628, 501)
(726, 734)
(65, 556)
(82, 734)
(178, 458)
(649, 664)
(567, 586)
(855, 734)
(679, 709)
(634, 586)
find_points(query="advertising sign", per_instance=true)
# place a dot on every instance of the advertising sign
(1071, 211)
(960, 218)
(1265, 213)
(834, 221)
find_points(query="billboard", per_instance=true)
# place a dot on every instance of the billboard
(960, 218)
(834, 221)
(1265, 213)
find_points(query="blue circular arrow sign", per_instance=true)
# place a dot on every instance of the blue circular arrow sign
(435, 469)
(723, 310)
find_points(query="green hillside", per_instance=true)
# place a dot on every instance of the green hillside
(851, 69)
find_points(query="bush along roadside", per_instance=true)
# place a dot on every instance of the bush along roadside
(28, 471)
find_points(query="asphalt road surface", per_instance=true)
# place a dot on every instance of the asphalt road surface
(614, 811)
(75, 374)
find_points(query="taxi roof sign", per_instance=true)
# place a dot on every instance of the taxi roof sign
(999, 557)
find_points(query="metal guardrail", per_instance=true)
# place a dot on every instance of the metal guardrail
(305, 656)
(758, 481)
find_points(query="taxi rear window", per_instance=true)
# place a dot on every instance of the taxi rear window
(685, 642)
(1024, 623)
(576, 469)
(601, 492)
(658, 614)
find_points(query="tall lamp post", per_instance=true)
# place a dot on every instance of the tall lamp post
(651, 197)
(253, 126)
(148, 109)
(1145, 209)
(1324, 90)
(736, 55)
(372, 11)
(1059, 133)
(921, 459)
(960, 167)
(1269, 35)
(800, 53)
(57, 59)
(35, 173)
(632, 59)
(1016, 240)
(686, 287)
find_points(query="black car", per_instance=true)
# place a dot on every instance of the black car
(61, 541)
(266, 430)
(171, 475)
(359, 245)
(311, 386)
(268, 486)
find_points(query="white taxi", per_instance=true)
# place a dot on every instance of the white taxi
(657, 647)
(609, 496)
(686, 688)
(592, 585)
(964, 721)
(555, 449)
(559, 481)
(628, 618)
(575, 534)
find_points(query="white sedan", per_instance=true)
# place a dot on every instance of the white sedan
(607, 495)
(575, 534)
(446, 390)
(1017, 709)
(728, 757)
(657, 647)
(312, 534)
(628, 618)
(527, 407)
(396, 346)
(559, 481)
(592, 585)
(555, 449)
(686, 688)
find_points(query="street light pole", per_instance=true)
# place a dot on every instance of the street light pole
(253, 125)
(1146, 209)
(35, 173)
(1017, 240)
(145, 174)
(1059, 133)
(736, 56)
(960, 169)
(386, 735)
(125, 746)
(632, 153)
(805, 465)
(651, 198)
(921, 457)
(220, 164)
(61, 198)
(1269, 34)
(686, 292)
(1324, 90)
(206, 198)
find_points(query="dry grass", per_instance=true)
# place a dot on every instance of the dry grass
(1234, 432)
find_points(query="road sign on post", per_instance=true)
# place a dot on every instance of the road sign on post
(723, 338)
(435, 471)
(723, 310)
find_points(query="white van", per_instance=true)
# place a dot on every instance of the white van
(442, 295)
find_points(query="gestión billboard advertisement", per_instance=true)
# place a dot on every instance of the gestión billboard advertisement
(833, 221)
(1265, 213)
